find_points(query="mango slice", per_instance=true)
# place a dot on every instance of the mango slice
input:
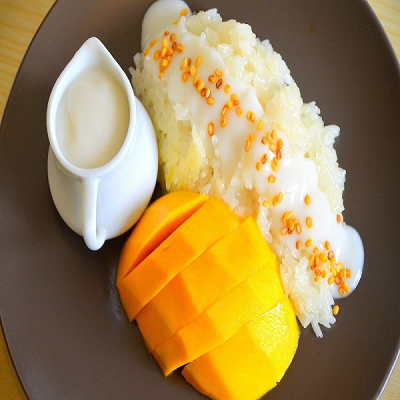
(205, 280)
(159, 220)
(211, 222)
(257, 294)
(251, 362)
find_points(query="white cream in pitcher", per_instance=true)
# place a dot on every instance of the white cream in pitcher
(92, 119)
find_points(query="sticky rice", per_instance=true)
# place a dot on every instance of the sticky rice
(190, 159)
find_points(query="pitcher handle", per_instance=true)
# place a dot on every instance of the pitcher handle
(94, 236)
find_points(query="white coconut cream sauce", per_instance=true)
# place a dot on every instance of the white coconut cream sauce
(217, 100)
(92, 119)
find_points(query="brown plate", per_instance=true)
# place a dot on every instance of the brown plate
(67, 334)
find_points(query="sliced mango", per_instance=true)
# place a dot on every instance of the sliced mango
(211, 222)
(159, 220)
(205, 280)
(257, 294)
(252, 361)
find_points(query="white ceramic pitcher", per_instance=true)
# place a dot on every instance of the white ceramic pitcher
(104, 202)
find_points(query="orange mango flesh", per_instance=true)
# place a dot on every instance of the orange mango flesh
(159, 220)
(211, 222)
(203, 282)
(252, 361)
(257, 294)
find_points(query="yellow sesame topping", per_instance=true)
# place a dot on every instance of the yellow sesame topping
(183, 63)
(199, 85)
(227, 88)
(264, 158)
(274, 164)
(308, 243)
(183, 12)
(335, 310)
(349, 273)
(198, 61)
(271, 179)
(153, 42)
(323, 257)
(210, 129)
(307, 199)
